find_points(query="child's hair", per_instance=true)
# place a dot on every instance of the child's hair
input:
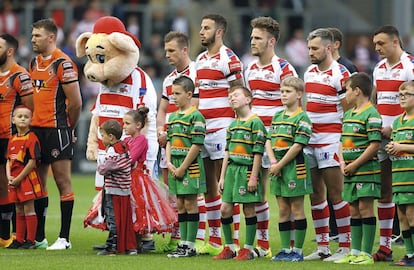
(185, 82)
(406, 85)
(294, 82)
(361, 80)
(245, 90)
(112, 127)
(139, 115)
(21, 106)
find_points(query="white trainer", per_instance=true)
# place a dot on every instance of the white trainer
(318, 255)
(338, 255)
(60, 244)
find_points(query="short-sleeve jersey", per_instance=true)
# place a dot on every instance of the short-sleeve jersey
(358, 131)
(48, 75)
(213, 76)
(13, 85)
(244, 139)
(403, 163)
(324, 91)
(167, 86)
(287, 130)
(20, 150)
(264, 82)
(184, 130)
(115, 101)
(387, 80)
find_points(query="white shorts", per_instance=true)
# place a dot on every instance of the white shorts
(163, 159)
(323, 157)
(382, 154)
(214, 145)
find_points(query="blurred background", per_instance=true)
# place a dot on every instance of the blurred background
(150, 20)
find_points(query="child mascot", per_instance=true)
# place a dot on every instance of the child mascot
(112, 58)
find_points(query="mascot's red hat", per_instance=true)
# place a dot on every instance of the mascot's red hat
(110, 24)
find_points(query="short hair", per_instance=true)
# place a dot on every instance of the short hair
(11, 41)
(391, 31)
(267, 23)
(219, 20)
(139, 115)
(185, 82)
(112, 127)
(323, 33)
(245, 90)
(405, 85)
(337, 35)
(21, 106)
(361, 80)
(48, 24)
(294, 82)
(181, 38)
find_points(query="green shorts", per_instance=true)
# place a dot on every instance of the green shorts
(354, 191)
(193, 182)
(235, 185)
(403, 198)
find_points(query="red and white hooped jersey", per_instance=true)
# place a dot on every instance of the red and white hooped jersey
(324, 92)
(387, 80)
(167, 86)
(264, 82)
(213, 76)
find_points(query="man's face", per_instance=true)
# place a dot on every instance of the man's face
(173, 52)
(385, 45)
(3, 52)
(208, 32)
(40, 40)
(259, 41)
(317, 51)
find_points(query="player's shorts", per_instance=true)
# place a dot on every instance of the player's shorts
(214, 145)
(193, 182)
(3, 150)
(403, 198)
(163, 159)
(290, 186)
(382, 154)
(354, 191)
(29, 189)
(55, 143)
(235, 185)
(323, 157)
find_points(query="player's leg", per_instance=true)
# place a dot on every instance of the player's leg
(246, 253)
(263, 214)
(6, 208)
(284, 228)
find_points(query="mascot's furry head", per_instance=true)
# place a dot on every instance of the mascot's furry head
(112, 52)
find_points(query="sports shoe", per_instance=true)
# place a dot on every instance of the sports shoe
(170, 246)
(318, 255)
(262, 252)
(6, 242)
(182, 251)
(281, 256)
(107, 252)
(363, 259)
(294, 257)
(225, 254)
(15, 244)
(382, 256)
(210, 249)
(131, 252)
(346, 259)
(244, 254)
(405, 261)
(198, 245)
(339, 254)
(60, 244)
(99, 247)
(42, 244)
(397, 240)
(148, 245)
(28, 245)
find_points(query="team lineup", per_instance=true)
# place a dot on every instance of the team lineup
(225, 133)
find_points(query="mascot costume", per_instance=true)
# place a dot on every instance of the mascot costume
(112, 58)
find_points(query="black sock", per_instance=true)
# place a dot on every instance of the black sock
(41, 205)
(6, 213)
(66, 209)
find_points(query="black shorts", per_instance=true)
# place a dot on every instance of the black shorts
(3, 150)
(56, 143)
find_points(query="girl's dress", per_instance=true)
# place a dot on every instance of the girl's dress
(151, 211)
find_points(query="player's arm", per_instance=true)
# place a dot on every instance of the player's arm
(223, 171)
(395, 148)
(72, 92)
(161, 120)
(269, 151)
(30, 166)
(28, 101)
(367, 155)
(257, 162)
(374, 96)
(293, 151)
(189, 159)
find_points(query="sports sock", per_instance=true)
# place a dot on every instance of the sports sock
(262, 231)
(357, 234)
(6, 213)
(175, 233)
(182, 223)
(41, 206)
(66, 208)
(343, 221)
(284, 232)
(31, 225)
(251, 225)
(201, 232)
(386, 212)
(192, 226)
(369, 227)
(20, 228)
(236, 223)
(226, 227)
(320, 216)
(213, 206)
(301, 226)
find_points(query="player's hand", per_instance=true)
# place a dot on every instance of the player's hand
(350, 169)
(274, 170)
(162, 139)
(221, 186)
(252, 185)
(179, 172)
(393, 148)
(74, 137)
(14, 182)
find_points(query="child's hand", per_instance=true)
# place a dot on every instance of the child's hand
(275, 170)
(171, 168)
(162, 139)
(393, 148)
(221, 185)
(179, 172)
(349, 169)
(14, 182)
(252, 184)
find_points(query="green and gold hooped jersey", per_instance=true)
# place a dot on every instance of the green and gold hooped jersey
(184, 130)
(403, 163)
(287, 130)
(358, 130)
(244, 139)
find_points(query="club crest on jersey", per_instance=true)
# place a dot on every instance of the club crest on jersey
(409, 136)
(358, 186)
(242, 190)
(355, 129)
(291, 185)
(37, 84)
(185, 182)
(246, 137)
(55, 153)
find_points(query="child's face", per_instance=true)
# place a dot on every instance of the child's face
(181, 97)
(237, 99)
(407, 98)
(289, 95)
(350, 94)
(130, 127)
(106, 138)
(22, 118)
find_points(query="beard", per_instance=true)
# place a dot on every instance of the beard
(3, 58)
(317, 61)
(208, 41)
